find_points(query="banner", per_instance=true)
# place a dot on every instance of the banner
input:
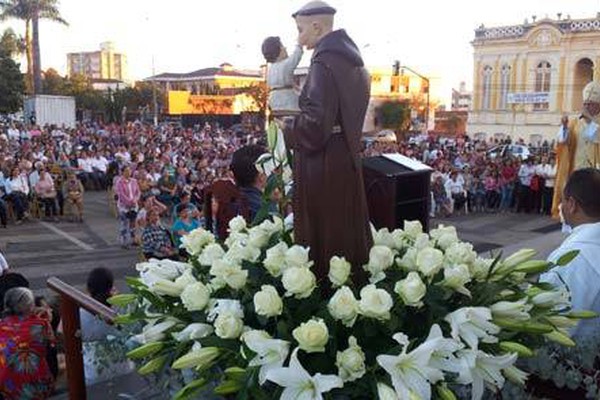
(528, 98)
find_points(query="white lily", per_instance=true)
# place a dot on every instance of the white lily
(270, 353)
(443, 357)
(194, 331)
(472, 324)
(154, 332)
(480, 368)
(299, 384)
(411, 371)
(219, 306)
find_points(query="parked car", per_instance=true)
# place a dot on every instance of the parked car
(504, 150)
(385, 136)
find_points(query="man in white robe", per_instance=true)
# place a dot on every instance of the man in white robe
(581, 210)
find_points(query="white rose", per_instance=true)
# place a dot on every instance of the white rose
(456, 276)
(411, 289)
(299, 282)
(460, 253)
(193, 331)
(211, 253)
(195, 296)
(237, 224)
(232, 274)
(236, 237)
(228, 325)
(380, 259)
(195, 241)
(383, 237)
(422, 241)
(429, 261)
(343, 306)
(375, 303)
(351, 362)
(312, 336)
(399, 239)
(267, 302)
(413, 228)
(339, 270)
(272, 227)
(408, 261)
(297, 256)
(258, 237)
(275, 259)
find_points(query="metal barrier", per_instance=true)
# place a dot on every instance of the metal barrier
(71, 300)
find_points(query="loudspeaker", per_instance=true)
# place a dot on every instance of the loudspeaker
(396, 192)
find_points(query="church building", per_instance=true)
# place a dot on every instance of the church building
(527, 76)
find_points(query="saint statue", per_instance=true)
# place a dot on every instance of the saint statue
(329, 202)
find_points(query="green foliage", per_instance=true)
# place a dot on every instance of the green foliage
(11, 43)
(393, 115)
(11, 84)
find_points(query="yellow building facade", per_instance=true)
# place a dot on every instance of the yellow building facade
(527, 76)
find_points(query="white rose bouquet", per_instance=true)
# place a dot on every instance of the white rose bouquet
(251, 318)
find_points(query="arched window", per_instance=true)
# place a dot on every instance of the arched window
(543, 74)
(504, 86)
(487, 87)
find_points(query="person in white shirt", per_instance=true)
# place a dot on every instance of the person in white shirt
(581, 210)
(100, 166)
(456, 190)
(86, 168)
(547, 170)
(526, 172)
(17, 190)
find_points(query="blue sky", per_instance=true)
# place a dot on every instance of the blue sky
(431, 36)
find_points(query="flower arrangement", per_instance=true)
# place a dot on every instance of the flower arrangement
(250, 317)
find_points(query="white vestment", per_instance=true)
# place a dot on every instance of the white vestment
(581, 276)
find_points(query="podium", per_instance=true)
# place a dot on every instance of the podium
(397, 190)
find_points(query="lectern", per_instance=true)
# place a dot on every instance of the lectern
(397, 189)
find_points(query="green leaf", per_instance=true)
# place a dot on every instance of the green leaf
(190, 389)
(566, 258)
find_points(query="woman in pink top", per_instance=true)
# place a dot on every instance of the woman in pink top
(46, 192)
(128, 196)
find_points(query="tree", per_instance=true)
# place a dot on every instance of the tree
(31, 11)
(11, 84)
(12, 44)
(53, 83)
(393, 115)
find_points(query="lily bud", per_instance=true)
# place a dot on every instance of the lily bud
(121, 300)
(560, 338)
(228, 387)
(235, 373)
(197, 358)
(582, 314)
(533, 267)
(153, 365)
(444, 393)
(514, 347)
(517, 258)
(145, 350)
(561, 322)
(529, 326)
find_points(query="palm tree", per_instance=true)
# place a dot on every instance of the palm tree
(12, 44)
(31, 11)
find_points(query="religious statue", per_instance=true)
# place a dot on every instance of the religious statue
(283, 99)
(578, 142)
(329, 202)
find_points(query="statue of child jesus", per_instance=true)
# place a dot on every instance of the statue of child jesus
(283, 98)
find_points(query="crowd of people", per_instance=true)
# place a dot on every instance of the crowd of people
(468, 178)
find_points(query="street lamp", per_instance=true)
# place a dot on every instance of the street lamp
(404, 67)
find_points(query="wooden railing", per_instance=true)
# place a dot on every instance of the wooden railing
(71, 300)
